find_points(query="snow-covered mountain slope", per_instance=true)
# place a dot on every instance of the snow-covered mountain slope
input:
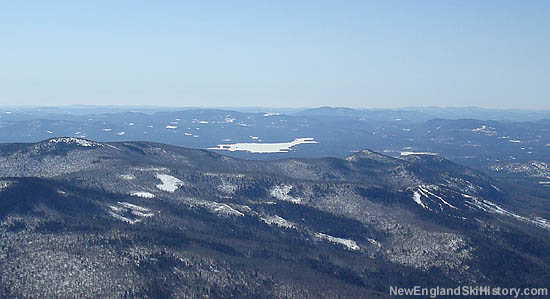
(142, 218)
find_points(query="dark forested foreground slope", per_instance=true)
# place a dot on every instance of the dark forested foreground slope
(86, 219)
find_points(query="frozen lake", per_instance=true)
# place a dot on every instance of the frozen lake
(258, 147)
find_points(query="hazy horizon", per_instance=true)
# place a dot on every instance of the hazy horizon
(127, 106)
(358, 54)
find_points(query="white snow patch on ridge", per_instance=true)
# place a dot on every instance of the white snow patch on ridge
(132, 206)
(132, 213)
(142, 194)
(417, 197)
(169, 183)
(280, 192)
(544, 223)
(127, 177)
(221, 209)
(349, 244)
(278, 221)
(257, 147)
(72, 140)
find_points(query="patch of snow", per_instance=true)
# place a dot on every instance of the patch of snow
(131, 124)
(426, 191)
(221, 209)
(125, 219)
(227, 187)
(280, 192)
(349, 244)
(374, 242)
(229, 119)
(127, 177)
(5, 184)
(488, 206)
(514, 141)
(121, 133)
(417, 153)
(128, 209)
(171, 127)
(278, 221)
(72, 140)
(490, 131)
(282, 147)
(133, 206)
(271, 114)
(417, 198)
(116, 209)
(544, 223)
(188, 134)
(225, 209)
(141, 214)
(142, 194)
(107, 130)
(169, 183)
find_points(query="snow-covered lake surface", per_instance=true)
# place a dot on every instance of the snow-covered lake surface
(258, 147)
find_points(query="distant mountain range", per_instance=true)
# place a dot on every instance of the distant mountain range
(480, 143)
(144, 219)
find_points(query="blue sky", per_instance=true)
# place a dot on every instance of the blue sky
(368, 54)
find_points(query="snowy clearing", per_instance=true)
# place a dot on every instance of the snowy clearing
(281, 193)
(142, 194)
(349, 244)
(278, 221)
(169, 183)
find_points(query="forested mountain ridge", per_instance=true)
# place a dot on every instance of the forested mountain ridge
(151, 220)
